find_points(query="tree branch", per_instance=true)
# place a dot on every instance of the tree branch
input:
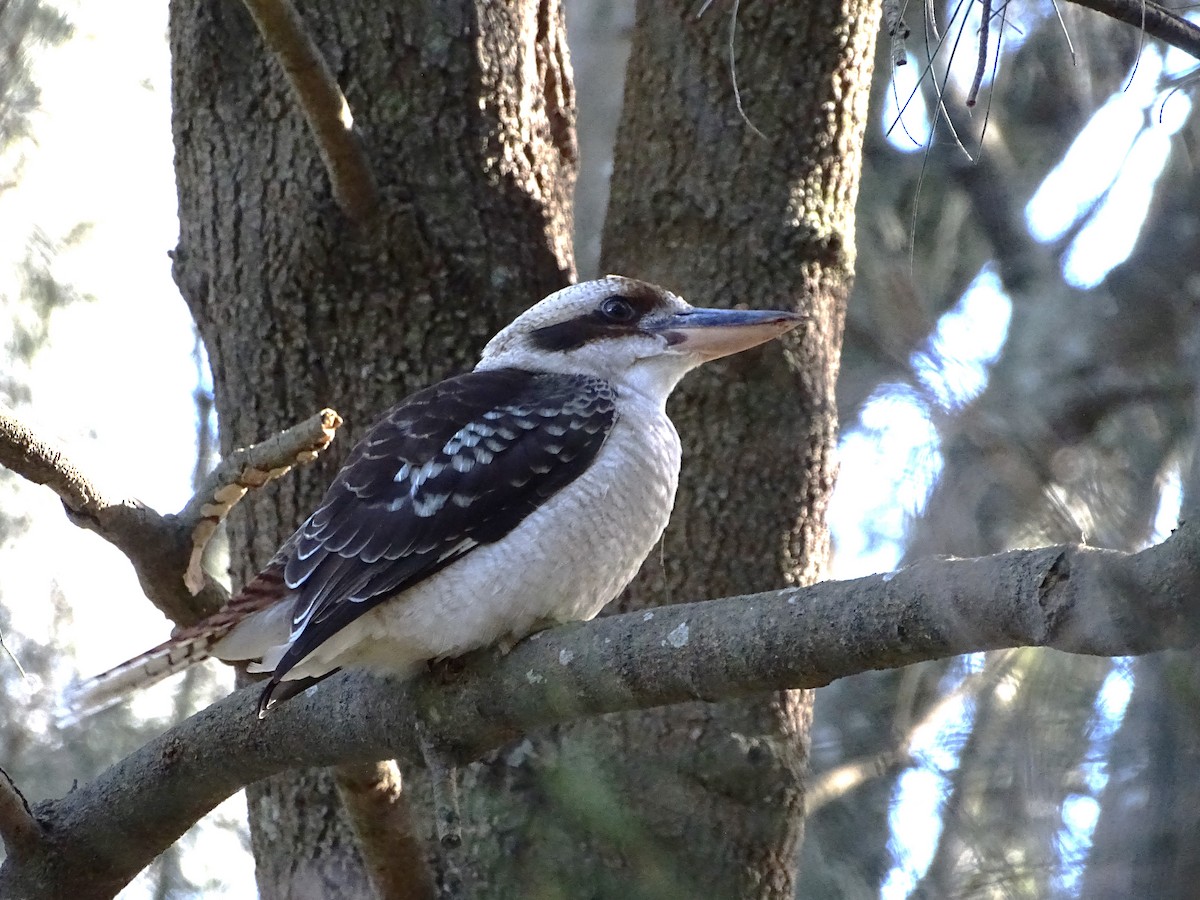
(392, 847)
(1156, 20)
(245, 469)
(165, 550)
(323, 105)
(834, 784)
(1073, 598)
(19, 830)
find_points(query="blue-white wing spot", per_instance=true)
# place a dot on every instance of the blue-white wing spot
(428, 505)
(456, 466)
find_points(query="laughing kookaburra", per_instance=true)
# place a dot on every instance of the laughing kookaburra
(520, 495)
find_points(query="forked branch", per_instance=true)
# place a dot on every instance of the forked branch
(165, 550)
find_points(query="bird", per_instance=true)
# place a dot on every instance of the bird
(520, 495)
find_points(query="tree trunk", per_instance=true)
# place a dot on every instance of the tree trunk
(466, 113)
(301, 308)
(706, 800)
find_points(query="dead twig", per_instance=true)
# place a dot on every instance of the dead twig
(164, 549)
(1153, 20)
(244, 470)
(981, 62)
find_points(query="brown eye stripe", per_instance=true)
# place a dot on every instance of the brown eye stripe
(593, 326)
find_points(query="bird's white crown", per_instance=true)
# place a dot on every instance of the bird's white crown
(608, 327)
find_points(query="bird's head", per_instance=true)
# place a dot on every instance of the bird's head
(629, 332)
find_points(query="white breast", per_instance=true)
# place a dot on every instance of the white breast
(563, 563)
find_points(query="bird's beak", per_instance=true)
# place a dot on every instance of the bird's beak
(712, 333)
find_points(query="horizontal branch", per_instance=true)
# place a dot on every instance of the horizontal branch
(165, 550)
(1157, 21)
(1073, 598)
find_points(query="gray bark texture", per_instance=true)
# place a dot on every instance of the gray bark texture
(466, 114)
(756, 209)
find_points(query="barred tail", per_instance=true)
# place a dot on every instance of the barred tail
(193, 644)
(111, 687)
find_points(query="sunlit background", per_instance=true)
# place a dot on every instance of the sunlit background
(92, 199)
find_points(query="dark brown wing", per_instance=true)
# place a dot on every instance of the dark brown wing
(454, 466)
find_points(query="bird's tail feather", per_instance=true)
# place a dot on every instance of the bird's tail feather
(109, 688)
(186, 647)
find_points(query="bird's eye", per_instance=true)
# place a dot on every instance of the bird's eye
(618, 309)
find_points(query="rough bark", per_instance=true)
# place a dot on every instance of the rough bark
(466, 114)
(702, 800)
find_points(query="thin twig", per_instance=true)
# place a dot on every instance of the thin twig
(946, 76)
(737, 93)
(1178, 83)
(16, 662)
(981, 61)
(244, 470)
(1067, 34)
(938, 89)
(164, 550)
(323, 103)
(987, 113)
(1137, 57)
(1153, 19)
